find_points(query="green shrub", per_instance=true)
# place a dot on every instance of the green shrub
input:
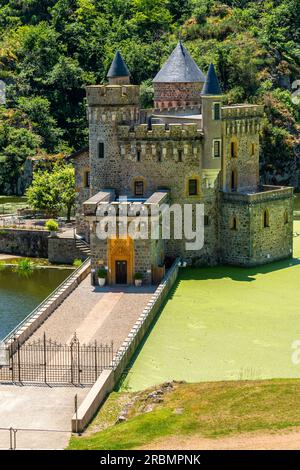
(138, 276)
(51, 225)
(77, 263)
(24, 267)
(102, 273)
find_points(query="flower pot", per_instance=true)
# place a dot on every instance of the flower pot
(138, 282)
(53, 233)
(101, 281)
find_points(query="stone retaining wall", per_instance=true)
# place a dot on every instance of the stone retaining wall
(31, 243)
(63, 250)
(109, 378)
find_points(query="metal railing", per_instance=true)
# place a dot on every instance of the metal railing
(10, 337)
(48, 362)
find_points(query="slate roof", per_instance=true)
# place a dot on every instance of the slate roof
(180, 67)
(211, 85)
(118, 67)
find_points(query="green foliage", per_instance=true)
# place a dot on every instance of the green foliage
(24, 267)
(102, 273)
(77, 263)
(138, 276)
(54, 190)
(51, 225)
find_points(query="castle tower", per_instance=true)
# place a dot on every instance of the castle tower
(179, 82)
(118, 73)
(211, 97)
(108, 106)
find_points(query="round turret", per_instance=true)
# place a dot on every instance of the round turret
(179, 82)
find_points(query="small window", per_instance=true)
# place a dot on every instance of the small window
(138, 188)
(217, 111)
(233, 183)
(206, 220)
(252, 150)
(180, 155)
(193, 187)
(266, 218)
(217, 148)
(159, 155)
(86, 179)
(138, 155)
(233, 149)
(234, 223)
(286, 217)
(100, 149)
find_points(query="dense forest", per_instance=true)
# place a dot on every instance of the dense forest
(50, 49)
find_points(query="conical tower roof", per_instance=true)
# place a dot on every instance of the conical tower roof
(118, 67)
(211, 85)
(180, 67)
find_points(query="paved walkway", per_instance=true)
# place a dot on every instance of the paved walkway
(98, 314)
(38, 408)
(103, 315)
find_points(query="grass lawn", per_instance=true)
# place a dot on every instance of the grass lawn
(208, 410)
(10, 204)
(225, 323)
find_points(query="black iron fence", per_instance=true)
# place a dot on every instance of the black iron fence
(49, 362)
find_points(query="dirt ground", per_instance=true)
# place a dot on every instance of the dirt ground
(287, 440)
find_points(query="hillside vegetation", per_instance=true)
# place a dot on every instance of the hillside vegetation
(181, 410)
(50, 49)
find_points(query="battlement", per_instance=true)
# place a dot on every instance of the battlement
(160, 131)
(242, 111)
(113, 95)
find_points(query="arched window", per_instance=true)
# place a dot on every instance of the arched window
(286, 217)
(234, 223)
(266, 218)
(233, 183)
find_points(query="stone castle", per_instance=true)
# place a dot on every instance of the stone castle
(188, 149)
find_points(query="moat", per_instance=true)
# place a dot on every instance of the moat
(20, 295)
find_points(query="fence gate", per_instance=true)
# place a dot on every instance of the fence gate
(46, 361)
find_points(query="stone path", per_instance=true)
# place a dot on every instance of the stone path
(98, 314)
(38, 408)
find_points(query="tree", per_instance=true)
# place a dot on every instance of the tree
(53, 191)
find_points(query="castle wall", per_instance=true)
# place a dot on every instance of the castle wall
(251, 243)
(168, 95)
(240, 127)
(81, 164)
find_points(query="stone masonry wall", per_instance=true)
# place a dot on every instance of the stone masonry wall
(24, 242)
(81, 164)
(251, 243)
(63, 250)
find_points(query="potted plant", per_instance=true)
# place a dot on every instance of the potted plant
(52, 226)
(101, 276)
(138, 278)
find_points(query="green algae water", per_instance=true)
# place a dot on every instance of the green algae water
(225, 323)
(20, 295)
